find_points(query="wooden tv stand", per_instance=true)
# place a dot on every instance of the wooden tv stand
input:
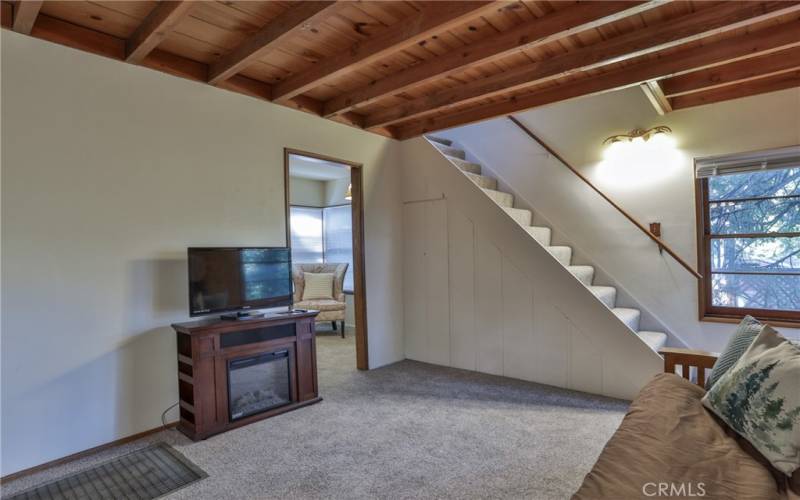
(205, 350)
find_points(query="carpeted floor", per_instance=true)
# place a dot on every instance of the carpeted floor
(408, 430)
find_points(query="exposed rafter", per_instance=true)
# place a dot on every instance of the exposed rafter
(71, 35)
(25, 14)
(155, 28)
(551, 27)
(658, 37)
(772, 83)
(737, 72)
(656, 97)
(299, 17)
(390, 67)
(433, 17)
(744, 46)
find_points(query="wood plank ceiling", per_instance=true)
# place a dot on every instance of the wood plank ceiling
(404, 68)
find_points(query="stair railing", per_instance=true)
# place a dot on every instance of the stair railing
(661, 244)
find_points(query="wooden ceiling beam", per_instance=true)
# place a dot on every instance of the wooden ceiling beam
(757, 67)
(301, 16)
(433, 18)
(652, 90)
(757, 86)
(555, 26)
(71, 35)
(155, 28)
(25, 14)
(671, 33)
(6, 14)
(745, 46)
(88, 40)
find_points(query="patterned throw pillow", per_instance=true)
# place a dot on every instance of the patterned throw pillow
(737, 344)
(318, 286)
(759, 398)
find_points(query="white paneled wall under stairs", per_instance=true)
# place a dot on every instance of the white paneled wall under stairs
(485, 289)
(563, 254)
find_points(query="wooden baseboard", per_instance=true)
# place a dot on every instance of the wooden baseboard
(82, 454)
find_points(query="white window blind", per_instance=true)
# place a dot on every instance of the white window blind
(788, 157)
(339, 239)
(306, 227)
(323, 235)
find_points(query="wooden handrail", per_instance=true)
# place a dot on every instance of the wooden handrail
(628, 216)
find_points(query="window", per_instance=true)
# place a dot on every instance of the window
(750, 241)
(323, 235)
(306, 226)
(339, 239)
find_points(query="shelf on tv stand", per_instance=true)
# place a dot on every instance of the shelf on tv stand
(204, 348)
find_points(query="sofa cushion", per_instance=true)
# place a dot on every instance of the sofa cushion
(747, 330)
(320, 305)
(759, 398)
(668, 437)
(318, 286)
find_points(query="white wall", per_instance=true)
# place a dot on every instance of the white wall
(307, 192)
(576, 129)
(109, 171)
(335, 191)
(481, 294)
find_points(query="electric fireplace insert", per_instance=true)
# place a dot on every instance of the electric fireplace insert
(258, 383)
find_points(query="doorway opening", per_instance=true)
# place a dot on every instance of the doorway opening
(325, 231)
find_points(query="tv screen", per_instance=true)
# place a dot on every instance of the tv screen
(231, 279)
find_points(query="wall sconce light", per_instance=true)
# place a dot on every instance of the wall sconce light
(639, 158)
(349, 194)
(638, 133)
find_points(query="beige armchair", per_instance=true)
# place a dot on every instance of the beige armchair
(329, 310)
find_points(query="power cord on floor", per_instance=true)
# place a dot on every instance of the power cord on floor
(164, 415)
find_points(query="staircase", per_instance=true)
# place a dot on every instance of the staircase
(563, 254)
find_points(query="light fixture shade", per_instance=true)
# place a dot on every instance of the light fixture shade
(349, 194)
(638, 134)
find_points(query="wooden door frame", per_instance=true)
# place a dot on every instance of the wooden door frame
(359, 279)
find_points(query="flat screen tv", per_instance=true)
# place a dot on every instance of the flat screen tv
(238, 279)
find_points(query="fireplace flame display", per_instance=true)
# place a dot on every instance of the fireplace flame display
(258, 383)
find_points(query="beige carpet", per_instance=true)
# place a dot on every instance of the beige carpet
(409, 430)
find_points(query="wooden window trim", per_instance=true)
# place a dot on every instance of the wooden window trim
(716, 314)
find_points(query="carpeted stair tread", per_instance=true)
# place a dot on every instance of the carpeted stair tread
(606, 294)
(522, 216)
(466, 166)
(440, 140)
(501, 198)
(628, 316)
(656, 340)
(540, 234)
(562, 253)
(584, 273)
(482, 180)
(451, 151)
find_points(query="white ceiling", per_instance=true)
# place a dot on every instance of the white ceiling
(306, 167)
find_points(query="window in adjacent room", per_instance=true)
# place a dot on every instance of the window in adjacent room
(338, 239)
(749, 246)
(323, 235)
(307, 243)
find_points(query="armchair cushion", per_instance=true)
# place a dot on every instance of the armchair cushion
(321, 305)
(318, 286)
(329, 310)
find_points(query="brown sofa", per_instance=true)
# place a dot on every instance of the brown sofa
(669, 445)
